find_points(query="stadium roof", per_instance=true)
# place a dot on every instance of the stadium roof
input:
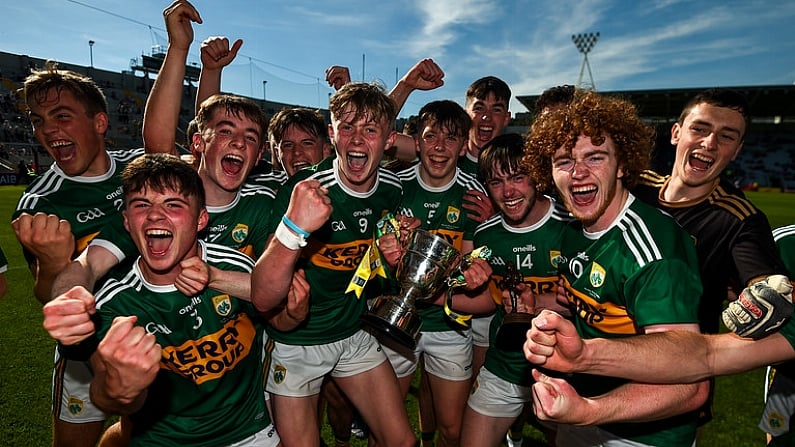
(766, 101)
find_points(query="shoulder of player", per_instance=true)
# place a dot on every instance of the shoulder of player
(730, 199)
(114, 288)
(491, 222)
(785, 232)
(226, 258)
(257, 190)
(468, 181)
(650, 233)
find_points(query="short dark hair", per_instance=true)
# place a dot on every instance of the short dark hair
(310, 121)
(719, 97)
(503, 153)
(447, 114)
(554, 97)
(481, 88)
(160, 172)
(235, 105)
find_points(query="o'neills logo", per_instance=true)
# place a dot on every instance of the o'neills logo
(211, 356)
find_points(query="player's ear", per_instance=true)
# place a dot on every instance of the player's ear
(676, 129)
(197, 145)
(204, 218)
(126, 223)
(100, 123)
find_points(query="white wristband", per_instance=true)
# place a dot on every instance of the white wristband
(288, 238)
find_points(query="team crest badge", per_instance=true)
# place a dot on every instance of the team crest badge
(240, 233)
(222, 305)
(555, 258)
(775, 421)
(75, 405)
(597, 275)
(279, 374)
(453, 214)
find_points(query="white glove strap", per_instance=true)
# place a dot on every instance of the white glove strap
(289, 239)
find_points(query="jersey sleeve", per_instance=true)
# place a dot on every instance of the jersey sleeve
(666, 291)
(754, 251)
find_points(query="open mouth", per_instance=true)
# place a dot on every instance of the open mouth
(438, 162)
(485, 133)
(298, 165)
(357, 161)
(232, 164)
(158, 241)
(63, 150)
(583, 195)
(700, 162)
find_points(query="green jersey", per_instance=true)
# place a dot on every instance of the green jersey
(641, 271)
(468, 164)
(87, 203)
(785, 240)
(441, 212)
(209, 390)
(334, 251)
(535, 251)
(243, 225)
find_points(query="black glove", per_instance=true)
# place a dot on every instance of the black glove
(761, 308)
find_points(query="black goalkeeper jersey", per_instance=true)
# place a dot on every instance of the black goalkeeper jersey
(733, 240)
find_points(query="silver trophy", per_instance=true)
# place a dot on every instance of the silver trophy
(427, 266)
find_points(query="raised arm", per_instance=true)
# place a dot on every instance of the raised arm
(161, 115)
(215, 55)
(309, 209)
(424, 75)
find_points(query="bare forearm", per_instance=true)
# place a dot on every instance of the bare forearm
(272, 275)
(161, 115)
(110, 402)
(237, 284)
(45, 274)
(209, 85)
(94, 263)
(639, 402)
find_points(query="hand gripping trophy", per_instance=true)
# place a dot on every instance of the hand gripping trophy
(428, 265)
(512, 332)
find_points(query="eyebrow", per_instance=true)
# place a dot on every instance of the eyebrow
(232, 124)
(723, 128)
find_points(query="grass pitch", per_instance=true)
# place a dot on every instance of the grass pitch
(27, 353)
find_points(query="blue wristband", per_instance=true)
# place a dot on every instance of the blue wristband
(291, 225)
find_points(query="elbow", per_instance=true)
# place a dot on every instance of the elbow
(699, 396)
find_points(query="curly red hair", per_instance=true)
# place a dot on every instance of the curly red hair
(595, 116)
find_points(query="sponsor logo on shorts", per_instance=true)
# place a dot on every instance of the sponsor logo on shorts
(279, 374)
(75, 405)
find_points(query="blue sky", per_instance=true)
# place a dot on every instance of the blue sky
(642, 45)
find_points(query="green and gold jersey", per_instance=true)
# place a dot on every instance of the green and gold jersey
(209, 390)
(87, 203)
(468, 164)
(334, 252)
(785, 241)
(641, 271)
(243, 225)
(535, 251)
(440, 211)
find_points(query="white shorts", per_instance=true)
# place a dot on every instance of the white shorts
(71, 383)
(298, 371)
(779, 403)
(267, 437)
(480, 330)
(447, 354)
(495, 397)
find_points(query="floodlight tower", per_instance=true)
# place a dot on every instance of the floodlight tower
(585, 43)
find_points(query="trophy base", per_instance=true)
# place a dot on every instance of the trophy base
(512, 332)
(393, 318)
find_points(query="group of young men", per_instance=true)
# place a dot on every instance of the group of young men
(205, 305)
